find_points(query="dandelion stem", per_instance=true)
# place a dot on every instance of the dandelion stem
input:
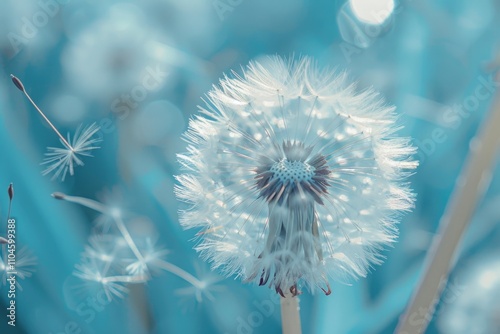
(128, 238)
(470, 187)
(180, 273)
(91, 204)
(108, 263)
(125, 279)
(290, 316)
(20, 86)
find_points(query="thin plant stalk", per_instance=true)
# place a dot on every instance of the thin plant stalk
(180, 273)
(91, 204)
(20, 86)
(126, 279)
(470, 187)
(290, 314)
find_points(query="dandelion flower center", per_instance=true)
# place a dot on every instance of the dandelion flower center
(291, 180)
(292, 171)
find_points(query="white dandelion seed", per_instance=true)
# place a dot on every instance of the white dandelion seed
(94, 271)
(60, 161)
(294, 176)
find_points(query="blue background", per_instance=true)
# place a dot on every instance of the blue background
(429, 57)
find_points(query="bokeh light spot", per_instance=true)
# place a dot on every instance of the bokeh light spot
(372, 11)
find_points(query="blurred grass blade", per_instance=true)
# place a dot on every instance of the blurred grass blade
(470, 187)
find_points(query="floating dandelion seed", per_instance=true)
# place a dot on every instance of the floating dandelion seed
(294, 176)
(113, 261)
(63, 160)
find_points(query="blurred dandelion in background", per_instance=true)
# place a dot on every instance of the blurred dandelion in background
(25, 266)
(293, 176)
(60, 161)
(113, 260)
(475, 309)
(116, 53)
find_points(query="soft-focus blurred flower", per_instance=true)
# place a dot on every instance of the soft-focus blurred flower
(25, 26)
(113, 260)
(120, 53)
(24, 265)
(475, 309)
(109, 262)
(294, 176)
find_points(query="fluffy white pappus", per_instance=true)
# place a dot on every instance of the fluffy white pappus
(294, 176)
(60, 161)
(113, 261)
(109, 263)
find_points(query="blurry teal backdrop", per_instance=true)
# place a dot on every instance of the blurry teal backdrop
(87, 61)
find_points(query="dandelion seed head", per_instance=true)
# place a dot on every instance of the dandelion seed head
(112, 54)
(294, 175)
(108, 263)
(112, 261)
